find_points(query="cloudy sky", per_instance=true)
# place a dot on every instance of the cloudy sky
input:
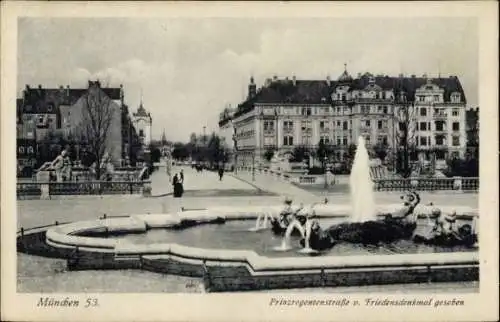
(189, 69)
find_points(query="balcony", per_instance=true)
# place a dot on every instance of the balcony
(270, 132)
(288, 130)
(440, 115)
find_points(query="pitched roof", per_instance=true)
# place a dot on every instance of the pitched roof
(41, 99)
(319, 91)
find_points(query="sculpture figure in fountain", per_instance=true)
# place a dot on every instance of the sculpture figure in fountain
(361, 186)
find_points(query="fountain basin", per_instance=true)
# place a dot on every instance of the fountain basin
(124, 243)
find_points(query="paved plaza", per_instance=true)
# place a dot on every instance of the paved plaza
(38, 274)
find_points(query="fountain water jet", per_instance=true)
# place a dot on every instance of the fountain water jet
(261, 222)
(361, 186)
(285, 244)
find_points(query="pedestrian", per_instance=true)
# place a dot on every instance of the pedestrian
(177, 185)
(221, 173)
(182, 176)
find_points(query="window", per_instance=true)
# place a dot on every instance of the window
(322, 125)
(288, 125)
(339, 141)
(306, 111)
(288, 140)
(268, 125)
(456, 126)
(423, 126)
(338, 110)
(345, 127)
(455, 98)
(30, 150)
(141, 132)
(439, 139)
(423, 141)
(21, 149)
(439, 125)
(338, 123)
(344, 141)
(384, 140)
(379, 124)
(385, 109)
(367, 139)
(421, 98)
(454, 112)
(324, 140)
(343, 97)
(423, 111)
(455, 140)
(367, 123)
(402, 126)
(436, 98)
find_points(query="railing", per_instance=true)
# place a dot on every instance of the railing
(44, 190)
(427, 184)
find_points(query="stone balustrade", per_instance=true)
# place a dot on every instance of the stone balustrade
(47, 190)
(469, 184)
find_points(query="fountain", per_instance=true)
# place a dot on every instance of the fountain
(262, 219)
(361, 186)
(294, 225)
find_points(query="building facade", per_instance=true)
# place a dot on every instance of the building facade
(48, 116)
(286, 113)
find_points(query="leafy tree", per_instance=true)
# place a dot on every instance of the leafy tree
(269, 154)
(381, 150)
(299, 154)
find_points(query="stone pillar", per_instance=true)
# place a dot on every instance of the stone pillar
(45, 192)
(457, 183)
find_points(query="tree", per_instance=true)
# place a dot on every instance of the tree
(381, 150)
(180, 151)
(299, 154)
(97, 117)
(269, 154)
(215, 150)
(405, 136)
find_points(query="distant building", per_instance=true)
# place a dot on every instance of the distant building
(472, 130)
(142, 122)
(285, 113)
(45, 113)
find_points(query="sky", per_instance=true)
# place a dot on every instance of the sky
(188, 70)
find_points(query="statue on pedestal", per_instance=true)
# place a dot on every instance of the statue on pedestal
(62, 166)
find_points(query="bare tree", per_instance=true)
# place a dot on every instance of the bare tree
(405, 136)
(97, 117)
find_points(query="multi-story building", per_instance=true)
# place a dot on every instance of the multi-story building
(285, 113)
(47, 112)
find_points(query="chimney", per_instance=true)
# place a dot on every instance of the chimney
(328, 80)
(67, 90)
(413, 76)
(294, 80)
(275, 77)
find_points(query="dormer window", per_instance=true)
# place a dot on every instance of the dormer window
(455, 98)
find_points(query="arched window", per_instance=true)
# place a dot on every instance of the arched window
(30, 149)
(21, 149)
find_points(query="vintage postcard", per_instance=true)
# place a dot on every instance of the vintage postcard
(247, 161)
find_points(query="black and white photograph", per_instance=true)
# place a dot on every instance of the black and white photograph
(242, 155)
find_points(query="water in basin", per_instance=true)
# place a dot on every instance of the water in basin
(241, 235)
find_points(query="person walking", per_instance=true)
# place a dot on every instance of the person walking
(182, 177)
(221, 173)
